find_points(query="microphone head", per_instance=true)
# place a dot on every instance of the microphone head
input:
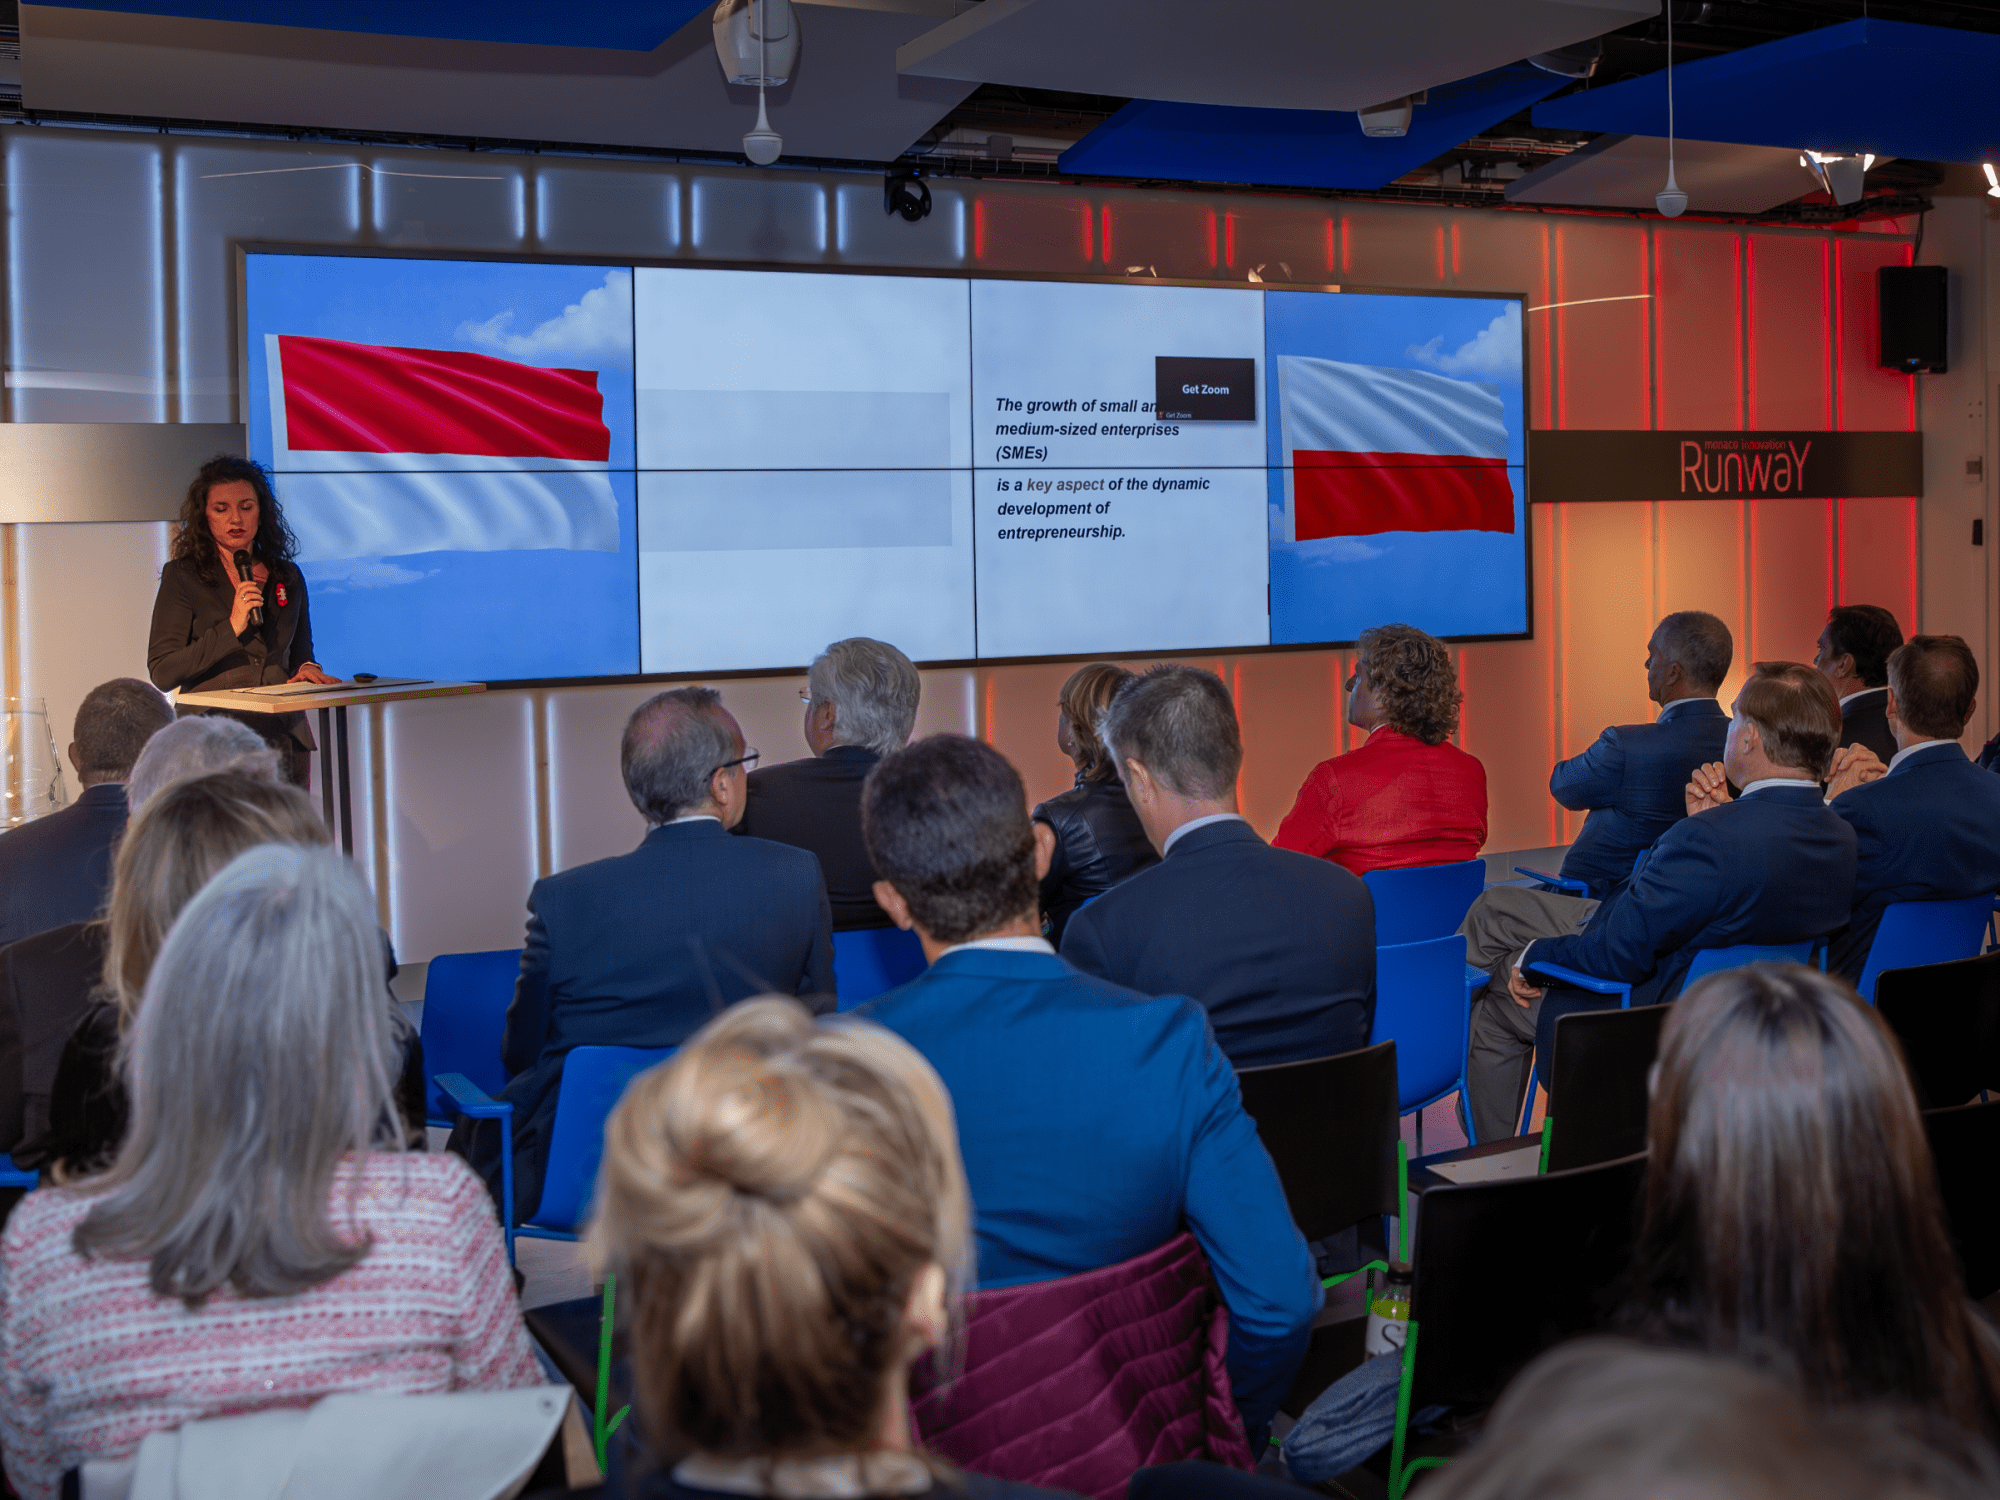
(242, 561)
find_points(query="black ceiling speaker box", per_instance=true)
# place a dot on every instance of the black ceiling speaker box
(1913, 319)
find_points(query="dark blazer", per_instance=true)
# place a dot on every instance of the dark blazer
(191, 646)
(1928, 831)
(639, 951)
(1278, 946)
(1633, 783)
(816, 804)
(1865, 721)
(1041, 1059)
(1098, 843)
(1774, 866)
(57, 869)
(47, 983)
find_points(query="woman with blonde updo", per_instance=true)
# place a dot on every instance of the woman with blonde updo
(785, 1211)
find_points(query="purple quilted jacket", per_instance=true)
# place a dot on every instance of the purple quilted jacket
(1075, 1383)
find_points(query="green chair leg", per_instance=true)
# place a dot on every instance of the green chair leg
(1403, 1198)
(602, 1430)
(1548, 1131)
(1399, 1472)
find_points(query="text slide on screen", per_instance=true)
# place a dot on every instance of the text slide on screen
(501, 471)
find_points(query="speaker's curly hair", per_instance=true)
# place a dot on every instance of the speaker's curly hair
(1415, 683)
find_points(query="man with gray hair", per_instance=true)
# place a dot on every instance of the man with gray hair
(1278, 946)
(57, 870)
(198, 746)
(861, 704)
(641, 949)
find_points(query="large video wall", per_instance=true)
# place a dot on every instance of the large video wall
(508, 470)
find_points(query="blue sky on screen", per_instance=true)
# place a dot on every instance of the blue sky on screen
(483, 616)
(1447, 582)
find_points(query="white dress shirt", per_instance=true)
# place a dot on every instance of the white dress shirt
(1004, 945)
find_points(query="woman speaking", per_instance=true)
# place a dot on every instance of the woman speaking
(231, 611)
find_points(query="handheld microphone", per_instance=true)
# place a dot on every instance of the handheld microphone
(242, 561)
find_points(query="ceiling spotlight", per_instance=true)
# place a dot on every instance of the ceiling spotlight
(757, 40)
(1392, 118)
(1992, 182)
(1838, 172)
(1577, 60)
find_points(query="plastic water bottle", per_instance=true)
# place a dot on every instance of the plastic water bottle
(1389, 1311)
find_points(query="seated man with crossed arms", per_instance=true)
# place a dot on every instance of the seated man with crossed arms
(1774, 866)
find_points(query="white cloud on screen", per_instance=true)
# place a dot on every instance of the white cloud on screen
(1494, 350)
(1341, 549)
(362, 573)
(597, 324)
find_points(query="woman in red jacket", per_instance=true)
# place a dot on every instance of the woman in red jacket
(1408, 796)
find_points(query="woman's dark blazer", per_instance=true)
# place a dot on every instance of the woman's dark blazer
(1098, 843)
(193, 649)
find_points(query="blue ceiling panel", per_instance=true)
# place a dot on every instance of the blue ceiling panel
(1298, 147)
(1881, 86)
(623, 25)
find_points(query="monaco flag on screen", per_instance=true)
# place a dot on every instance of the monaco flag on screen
(387, 451)
(1368, 450)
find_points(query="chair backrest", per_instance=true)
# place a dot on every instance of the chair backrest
(872, 962)
(1714, 960)
(1925, 932)
(1075, 1383)
(593, 1081)
(1420, 1006)
(1508, 1268)
(1331, 1126)
(1597, 1084)
(1947, 1016)
(1964, 1144)
(466, 996)
(1424, 901)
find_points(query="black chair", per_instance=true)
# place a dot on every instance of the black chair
(1505, 1270)
(1947, 1016)
(1597, 1084)
(1332, 1128)
(1965, 1143)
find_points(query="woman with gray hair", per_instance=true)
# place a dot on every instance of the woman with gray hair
(193, 747)
(262, 1239)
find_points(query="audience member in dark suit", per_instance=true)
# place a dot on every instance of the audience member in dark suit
(1407, 795)
(1098, 837)
(57, 869)
(1095, 1123)
(861, 704)
(1278, 946)
(1854, 654)
(1633, 781)
(1929, 828)
(639, 950)
(1774, 866)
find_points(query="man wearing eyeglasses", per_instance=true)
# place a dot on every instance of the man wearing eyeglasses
(641, 949)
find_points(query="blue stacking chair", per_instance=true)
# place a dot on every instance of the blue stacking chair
(1423, 1003)
(12, 1176)
(1423, 901)
(1915, 933)
(872, 962)
(466, 996)
(1706, 961)
(593, 1080)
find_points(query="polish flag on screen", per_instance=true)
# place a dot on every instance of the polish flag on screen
(386, 451)
(1369, 450)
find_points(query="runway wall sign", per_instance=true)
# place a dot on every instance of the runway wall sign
(1579, 467)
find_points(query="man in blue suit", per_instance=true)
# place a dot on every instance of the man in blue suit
(639, 950)
(1279, 947)
(1774, 866)
(1095, 1122)
(57, 869)
(1633, 781)
(1929, 829)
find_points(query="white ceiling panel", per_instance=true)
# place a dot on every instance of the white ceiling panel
(1625, 171)
(845, 99)
(1273, 54)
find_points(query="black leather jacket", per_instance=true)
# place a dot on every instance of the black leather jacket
(1098, 843)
